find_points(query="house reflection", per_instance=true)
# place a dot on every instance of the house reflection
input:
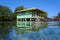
(28, 28)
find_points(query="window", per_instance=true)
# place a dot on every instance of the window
(23, 13)
(28, 19)
(27, 13)
(19, 14)
(21, 19)
(18, 19)
(30, 13)
(32, 19)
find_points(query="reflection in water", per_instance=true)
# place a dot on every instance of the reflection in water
(30, 28)
(58, 24)
(5, 28)
(24, 30)
(24, 33)
(29, 24)
(44, 32)
(11, 31)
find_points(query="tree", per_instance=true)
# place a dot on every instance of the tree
(4, 12)
(12, 17)
(4, 9)
(19, 8)
(58, 15)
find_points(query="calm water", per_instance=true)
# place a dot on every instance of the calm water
(46, 31)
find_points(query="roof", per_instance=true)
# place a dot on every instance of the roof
(29, 9)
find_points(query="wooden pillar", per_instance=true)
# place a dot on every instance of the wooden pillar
(30, 22)
(33, 14)
(25, 22)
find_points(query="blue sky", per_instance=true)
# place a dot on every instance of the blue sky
(52, 7)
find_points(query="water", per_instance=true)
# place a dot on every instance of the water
(46, 31)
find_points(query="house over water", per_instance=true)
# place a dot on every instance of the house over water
(29, 17)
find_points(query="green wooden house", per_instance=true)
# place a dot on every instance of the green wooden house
(29, 17)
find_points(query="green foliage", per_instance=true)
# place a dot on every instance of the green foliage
(58, 15)
(4, 13)
(19, 8)
(13, 16)
(4, 9)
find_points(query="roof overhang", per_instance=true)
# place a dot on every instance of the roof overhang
(29, 9)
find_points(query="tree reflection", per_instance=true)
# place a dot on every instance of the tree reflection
(5, 28)
(58, 24)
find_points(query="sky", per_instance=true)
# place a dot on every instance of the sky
(52, 7)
